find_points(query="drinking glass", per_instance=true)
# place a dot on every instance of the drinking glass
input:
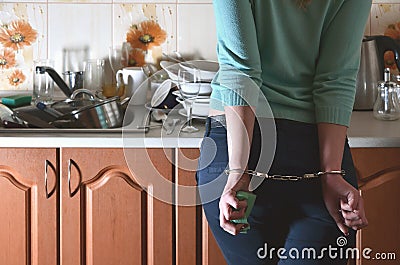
(114, 57)
(94, 75)
(125, 51)
(189, 87)
(43, 84)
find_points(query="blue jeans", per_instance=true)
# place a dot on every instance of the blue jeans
(290, 215)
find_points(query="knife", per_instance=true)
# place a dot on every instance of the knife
(33, 121)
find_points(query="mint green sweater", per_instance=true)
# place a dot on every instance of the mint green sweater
(305, 62)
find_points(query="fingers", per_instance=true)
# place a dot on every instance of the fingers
(230, 227)
(337, 217)
(355, 218)
(231, 209)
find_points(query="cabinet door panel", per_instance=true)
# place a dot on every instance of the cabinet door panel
(28, 219)
(381, 196)
(369, 161)
(114, 213)
(110, 219)
(195, 242)
(378, 171)
(188, 235)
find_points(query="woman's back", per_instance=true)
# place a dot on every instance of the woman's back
(308, 58)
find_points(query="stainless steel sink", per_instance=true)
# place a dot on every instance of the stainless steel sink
(135, 120)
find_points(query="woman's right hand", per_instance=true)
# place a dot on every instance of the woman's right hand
(344, 203)
(230, 208)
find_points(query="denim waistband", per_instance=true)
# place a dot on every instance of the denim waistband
(217, 121)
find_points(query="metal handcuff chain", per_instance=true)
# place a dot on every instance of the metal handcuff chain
(284, 177)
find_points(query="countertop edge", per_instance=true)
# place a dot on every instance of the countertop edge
(364, 132)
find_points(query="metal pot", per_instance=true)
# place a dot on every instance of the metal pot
(104, 114)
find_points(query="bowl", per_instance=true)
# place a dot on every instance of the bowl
(164, 97)
(208, 69)
(171, 68)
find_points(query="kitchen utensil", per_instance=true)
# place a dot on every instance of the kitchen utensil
(163, 97)
(172, 126)
(149, 126)
(7, 114)
(43, 85)
(33, 121)
(115, 58)
(184, 114)
(94, 75)
(171, 68)
(134, 80)
(372, 69)
(208, 69)
(51, 111)
(386, 106)
(198, 108)
(103, 114)
(189, 87)
(158, 115)
(74, 80)
(178, 59)
(57, 79)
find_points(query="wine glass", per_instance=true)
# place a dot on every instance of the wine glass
(189, 88)
(114, 57)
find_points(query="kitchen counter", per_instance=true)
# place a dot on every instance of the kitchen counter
(364, 131)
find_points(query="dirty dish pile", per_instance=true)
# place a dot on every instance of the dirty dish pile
(167, 90)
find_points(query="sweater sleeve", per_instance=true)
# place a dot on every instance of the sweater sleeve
(338, 62)
(239, 78)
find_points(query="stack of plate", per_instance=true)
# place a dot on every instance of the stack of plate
(208, 70)
(200, 106)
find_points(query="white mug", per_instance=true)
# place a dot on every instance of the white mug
(135, 84)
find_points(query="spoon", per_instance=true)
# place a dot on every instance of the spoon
(158, 115)
(172, 127)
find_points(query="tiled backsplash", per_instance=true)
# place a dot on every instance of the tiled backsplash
(99, 24)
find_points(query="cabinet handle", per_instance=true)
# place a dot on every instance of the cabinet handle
(70, 164)
(47, 164)
(69, 177)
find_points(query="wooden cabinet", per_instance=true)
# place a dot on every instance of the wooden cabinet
(195, 243)
(74, 206)
(378, 170)
(106, 216)
(95, 211)
(28, 223)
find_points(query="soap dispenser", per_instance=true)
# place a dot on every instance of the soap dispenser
(386, 106)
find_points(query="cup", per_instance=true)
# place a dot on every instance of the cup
(93, 78)
(43, 84)
(135, 83)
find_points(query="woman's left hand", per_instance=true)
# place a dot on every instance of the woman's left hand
(344, 203)
(230, 208)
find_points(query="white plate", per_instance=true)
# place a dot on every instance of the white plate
(183, 113)
(208, 69)
(171, 68)
(205, 89)
(161, 93)
(199, 99)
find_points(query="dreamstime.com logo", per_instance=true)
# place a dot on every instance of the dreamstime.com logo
(332, 252)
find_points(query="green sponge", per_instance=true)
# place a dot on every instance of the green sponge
(251, 198)
(16, 100)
